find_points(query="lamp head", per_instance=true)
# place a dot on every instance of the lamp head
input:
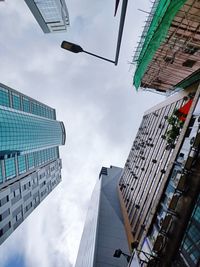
(117, 253)
(71, 47)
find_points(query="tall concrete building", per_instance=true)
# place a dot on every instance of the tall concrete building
(161, 181)
(104, 228)
(160, 185)
(51, 15)
(30, 166)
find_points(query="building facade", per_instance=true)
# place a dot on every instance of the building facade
(168, 51)
(160, 185)
(104, 228)
(30, 166)
(51, 15)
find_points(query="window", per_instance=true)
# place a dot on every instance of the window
(10, 168)
(5, 229)
(4, 200)
(43, 184)
(191, 242)
(26, 104)
(16, 101)
(43, 193)
(21, 164)
(35, 181)
(28, 207)
(1, 175)
(197, 214)
(18, 216)
(4, 97)
(16, 192)
(27, 196)
(4, 214)
(31, 163)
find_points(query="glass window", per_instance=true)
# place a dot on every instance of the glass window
(48, 113)
(39, 158)
(26, 104)
(194, 233)
(4, 200)
(10, 168)
(34, 108)
(30, 161)
(191, 242)
(42, 156)
(1, 175)
(197, 214)
(35, 154)
(21, 164)
(44, 111)
(4, 97)
(16, 101)
(52, 114)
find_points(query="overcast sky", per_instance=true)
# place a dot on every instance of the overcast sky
(95, 100)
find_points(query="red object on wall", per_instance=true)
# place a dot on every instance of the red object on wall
(183, 111)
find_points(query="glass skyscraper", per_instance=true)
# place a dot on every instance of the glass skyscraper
(30, 166)
(51, 15)
(104, 230)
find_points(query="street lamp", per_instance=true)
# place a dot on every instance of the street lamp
(119, 252)
(77, 49)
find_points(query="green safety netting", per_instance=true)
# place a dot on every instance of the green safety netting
(163, 16)
(194, 77)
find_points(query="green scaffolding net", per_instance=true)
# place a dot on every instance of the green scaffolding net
(157, 31)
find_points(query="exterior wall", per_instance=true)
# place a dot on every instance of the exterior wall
(105, 216)
(150, 182)
(86, 251)
(29, 156)
(189, 252)
(15, 167)
(177, 201)
(52, 16)
(18, 200)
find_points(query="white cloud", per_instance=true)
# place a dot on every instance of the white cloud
(96, 101)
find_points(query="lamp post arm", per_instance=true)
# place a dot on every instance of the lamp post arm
(106, 59)
(128, 257)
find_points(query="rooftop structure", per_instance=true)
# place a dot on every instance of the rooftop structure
(169, 49)
(51, 15)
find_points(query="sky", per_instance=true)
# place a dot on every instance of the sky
(96, 101)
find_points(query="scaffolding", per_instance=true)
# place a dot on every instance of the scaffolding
(169, 49)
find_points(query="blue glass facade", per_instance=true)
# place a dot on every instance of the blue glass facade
(15, 100)
(25, 132)
(29, 134)
(30, 166)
